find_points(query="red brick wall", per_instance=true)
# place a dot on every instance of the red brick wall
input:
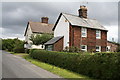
(76, 36)
(71, 40)
(58, 46)
(113, 47)
(90, 40)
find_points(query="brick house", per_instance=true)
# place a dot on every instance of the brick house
(34, 28)
(78, 31)
(112, 46)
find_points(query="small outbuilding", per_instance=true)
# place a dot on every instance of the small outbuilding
(55, 44)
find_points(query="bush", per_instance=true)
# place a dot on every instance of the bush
(0, 44)
(27, 51)
(14, 45)
(19, 47)
(99, 66)
(18, 50)
(72, 49)
(8, 44)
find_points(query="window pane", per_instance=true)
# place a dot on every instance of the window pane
(97, 47)
(49, 48)
(83, 47)
(98, 33)
(84, 32)
(83, 29)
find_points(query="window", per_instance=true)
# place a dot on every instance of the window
(84, 32)
(108, 49)
(49, 47)
(98, 48)
(84, 47)
(98, 34)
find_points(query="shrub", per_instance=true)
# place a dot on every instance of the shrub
(7, 44)
(18, 46)
(27, 51)
(0, 44)
(99, 66)
(72, 49)
(14, 45)
(18, 50)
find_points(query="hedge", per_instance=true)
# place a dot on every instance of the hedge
(104, 66)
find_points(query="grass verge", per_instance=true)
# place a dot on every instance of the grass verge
(56, 70)
(19, 54)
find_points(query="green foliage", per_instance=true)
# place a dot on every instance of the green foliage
(27, 51)
(8, 44)
(56, 70)
(40, 39)
(118, 49)
(14, 45)
(0, 44)
(19, 47)
(73, 49)
(104, 66)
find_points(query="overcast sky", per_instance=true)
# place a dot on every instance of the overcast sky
(15, 15)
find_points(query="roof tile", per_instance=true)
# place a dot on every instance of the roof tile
(38, 27)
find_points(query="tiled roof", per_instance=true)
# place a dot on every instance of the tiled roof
(82, 22)
(39, 27)
(53, 40)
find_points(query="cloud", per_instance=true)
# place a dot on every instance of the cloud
(119, 22)
(112, 32)
(17, 14)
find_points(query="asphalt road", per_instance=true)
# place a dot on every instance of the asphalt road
(16, 67)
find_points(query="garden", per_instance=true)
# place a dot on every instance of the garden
(103, 66)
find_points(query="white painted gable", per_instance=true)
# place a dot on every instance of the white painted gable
(28, 34)
(62, 29)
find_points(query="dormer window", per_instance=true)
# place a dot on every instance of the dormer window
(98, 34)
(84, 32)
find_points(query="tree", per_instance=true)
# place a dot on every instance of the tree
(19, 47)
(8, 44)
(14, 45)
(0, 44)
(40, 39)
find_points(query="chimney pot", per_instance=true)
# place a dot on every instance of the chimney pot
(44, 20)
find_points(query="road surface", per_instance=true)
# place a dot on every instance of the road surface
(16, 67)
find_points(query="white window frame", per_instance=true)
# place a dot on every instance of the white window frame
(85, 47)
(84, 31)
(99, 33)
(98, 50)
(108, 48)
